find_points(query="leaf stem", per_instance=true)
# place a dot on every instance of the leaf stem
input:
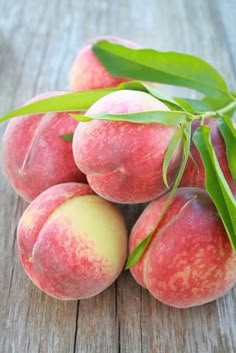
(221, 111)
(138, 252)
(227, 108)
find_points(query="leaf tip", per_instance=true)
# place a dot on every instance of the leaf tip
(127, 266)
(67, 137)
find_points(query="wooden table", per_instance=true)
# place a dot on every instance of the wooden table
(38, 42)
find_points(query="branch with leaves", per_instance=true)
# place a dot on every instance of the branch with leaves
(175, 69)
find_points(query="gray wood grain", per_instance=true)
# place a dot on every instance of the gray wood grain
(225, 12)
(38, 42)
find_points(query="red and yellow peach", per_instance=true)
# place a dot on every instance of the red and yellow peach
(122, 160)
(72, 243)
(190, 260)
(34, 156)
(88, 73)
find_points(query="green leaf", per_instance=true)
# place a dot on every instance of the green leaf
(67, 137)
(82, 101)
(193, 106)
(228, 133)
(144, 87)
(224, 105)
(165, 67)
(216, 185)
(166, 117)
(138, 252)
(208, 105)
(228, 109)
(216, 103)
(173, 145)
(233, 94)
(194, 162)
(81, 117)
(163, 97)
(69, 102)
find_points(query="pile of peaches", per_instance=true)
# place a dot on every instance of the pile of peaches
(72, 238)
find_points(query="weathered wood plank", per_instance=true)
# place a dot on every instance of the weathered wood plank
(226, 11)
(97, 325)
(202, 329)
(30, 320)
(38, 41)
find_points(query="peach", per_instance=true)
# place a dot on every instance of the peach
(190, 260)
(88, 73)
(196, 176)
(123, 160)
(72, 243)
(34, 156)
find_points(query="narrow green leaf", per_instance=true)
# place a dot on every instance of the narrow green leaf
(193, 106)
(173, 145)
(138, 252)
(216, 103)
(233, 94)
(194, 162)
(166, 117)
(208, 105)
(228, 132)
(82, 101)
(80, 117)
(67, 137)
(164, 67)
(144, 87)
(169, 101)
(216, 185)
(227, 109)
(69, 102)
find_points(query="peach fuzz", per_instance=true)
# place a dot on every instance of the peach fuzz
(123, 160)
(190, 260)
(72, 243)
(88, 73)
(34, 156)
(196, 176)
